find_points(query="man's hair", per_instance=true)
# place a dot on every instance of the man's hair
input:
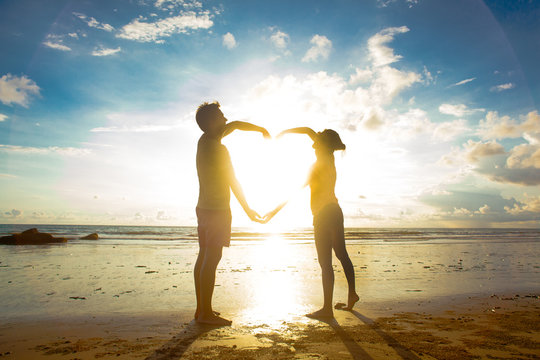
(206, 112)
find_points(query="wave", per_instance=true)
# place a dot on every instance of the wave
(358, 235)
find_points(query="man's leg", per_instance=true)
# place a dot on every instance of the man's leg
(197, 278)
(207, 282)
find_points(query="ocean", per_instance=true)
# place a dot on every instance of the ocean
(188, 234)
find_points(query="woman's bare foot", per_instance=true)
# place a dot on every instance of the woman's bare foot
(213, 320)
(340, 306)
(353, 299)
(321, 314)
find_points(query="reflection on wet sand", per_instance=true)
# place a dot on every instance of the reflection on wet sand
(274, 294)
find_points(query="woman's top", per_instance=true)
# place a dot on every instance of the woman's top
(322, 181)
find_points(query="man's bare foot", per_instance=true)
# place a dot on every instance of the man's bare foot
(213, 320)
(353, 299)
(217, 313)
(321, 314)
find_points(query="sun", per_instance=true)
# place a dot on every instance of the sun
(271, 171)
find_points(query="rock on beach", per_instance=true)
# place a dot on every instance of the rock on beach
(92, 236)
(31, 237)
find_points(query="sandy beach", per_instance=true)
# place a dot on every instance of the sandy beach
(442, 300)
(496, 327)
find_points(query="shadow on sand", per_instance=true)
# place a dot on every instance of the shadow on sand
(356, 350)
(393, 343)
(177, 346)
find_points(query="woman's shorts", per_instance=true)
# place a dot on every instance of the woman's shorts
(214, 227)
(328, 224)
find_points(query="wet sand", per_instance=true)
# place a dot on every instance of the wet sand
(418, 301)
(496, 327)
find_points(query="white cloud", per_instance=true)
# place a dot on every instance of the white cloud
(529, 204)
(229, 41)
(447, 131)
(92, 22)
(428, 78)
(462, 212)
(14, 213)
(496, 127)
(457, 110)
(162, 216)
(416, 122)
(520, 165)
(3, 117)
(171, 4)
(524, 156)
(141, 31)
(360, 76)
(462, 82)
(66, 151)
(385, 3)
(56, 46)
(280, 39)
(380, 53)
(101, 51)
(476, 150)
(321, 49)
(389, 82)
(322, 96)
(410, 124)
(531, 128)
(502, 87)
(17, 90)
(484, 210)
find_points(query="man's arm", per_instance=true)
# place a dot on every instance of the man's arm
(300, 130)
(239, 194)
(244, 126)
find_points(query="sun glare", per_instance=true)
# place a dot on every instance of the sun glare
(272, 171)
(275, 293)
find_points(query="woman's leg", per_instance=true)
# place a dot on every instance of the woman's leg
(324, 252)
(348, 269)
(323, 243)
(340, 249)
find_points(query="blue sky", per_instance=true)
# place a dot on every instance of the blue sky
(437, 102)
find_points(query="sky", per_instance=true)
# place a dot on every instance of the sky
(437, 102)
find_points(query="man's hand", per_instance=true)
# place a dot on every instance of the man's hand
(254, 216)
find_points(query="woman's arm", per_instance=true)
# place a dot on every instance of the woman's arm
(300, 130)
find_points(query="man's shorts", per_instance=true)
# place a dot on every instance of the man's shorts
(214, 227)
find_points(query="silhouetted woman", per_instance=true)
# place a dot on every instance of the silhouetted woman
(327, 217)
